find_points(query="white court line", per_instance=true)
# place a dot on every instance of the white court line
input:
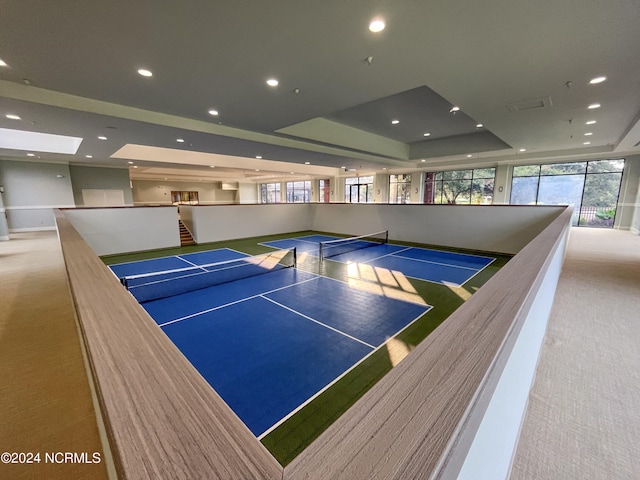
(190, 263)
(451, 253)
(301, 239)
(238, 301)
(319, 323)
(171, 256)
(373, 293)
(480, 270)
(394, 254)
(231, 250)
(338, 378)
(369, 248)
(187, 269)
(435, 263)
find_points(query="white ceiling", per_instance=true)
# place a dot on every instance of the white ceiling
(72, 70)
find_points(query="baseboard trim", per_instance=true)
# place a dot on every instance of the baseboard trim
(31, 229)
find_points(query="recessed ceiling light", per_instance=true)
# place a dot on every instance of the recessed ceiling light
(426, 134)
(384, 168)
(272, 82)
(587, 134)
(135, 166)
(594, 105)
(454, 109)
(523, 149)
(12, 116)
(423, 160)
(144, 72)
(31, 154)
(257, 169)
(214, 112)
(479, 125)
(586, 143)
(590, 122)
(89, 156)
(307, 163)
(130, 163)
(180, 140)
(343, 166)
(3, 63)
(395, 122)
(212, 166)
(291, 173)
(376, 25)
(596, 80)
(469, 156)
(102, 137)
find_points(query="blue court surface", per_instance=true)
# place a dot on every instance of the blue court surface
(307, 244)
(268, 344)
(447, 268)
(175, 262)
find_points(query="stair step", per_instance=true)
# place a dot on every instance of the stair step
(185, 235)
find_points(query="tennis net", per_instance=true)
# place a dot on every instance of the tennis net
(153, 286)
(331, 248)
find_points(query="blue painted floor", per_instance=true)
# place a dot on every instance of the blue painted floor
(269, 343)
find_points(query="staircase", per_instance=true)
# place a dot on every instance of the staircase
(185, 235)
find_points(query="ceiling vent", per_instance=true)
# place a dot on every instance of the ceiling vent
(534, 104)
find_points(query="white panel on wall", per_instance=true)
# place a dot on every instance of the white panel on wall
(119, 230)
(102, 198)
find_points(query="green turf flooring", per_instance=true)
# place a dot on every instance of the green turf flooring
(292, 436)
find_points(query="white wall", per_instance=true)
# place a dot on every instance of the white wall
(118, 230)
(226, 222)
(4, 226)
(493, 435)
(635, 222)
(490, 228)
(31, 191)
(248, 193)
(99, 178)
(503, 180)
(148, 192)
(627, 201)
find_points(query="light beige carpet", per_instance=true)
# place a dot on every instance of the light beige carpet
(583, 419)
(45, 399)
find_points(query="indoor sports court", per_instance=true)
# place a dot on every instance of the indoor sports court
(356, 240)
(278, 333)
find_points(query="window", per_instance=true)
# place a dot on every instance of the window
(460, 186)
(324, 187)
(358, 190)
(270, 193)
(184, 198)
(299, 192)
(400, 188)
(592, 188)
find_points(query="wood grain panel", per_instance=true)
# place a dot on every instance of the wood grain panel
(403, 426)
(163, 419)
(166, 422)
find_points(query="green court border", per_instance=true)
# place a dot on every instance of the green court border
(292, 436)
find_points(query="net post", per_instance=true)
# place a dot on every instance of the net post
(295, 257)
(386, 236)
(320, 252)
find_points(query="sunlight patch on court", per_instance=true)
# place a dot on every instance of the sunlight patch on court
(382, 281)
(461, 292)
(397, 350)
